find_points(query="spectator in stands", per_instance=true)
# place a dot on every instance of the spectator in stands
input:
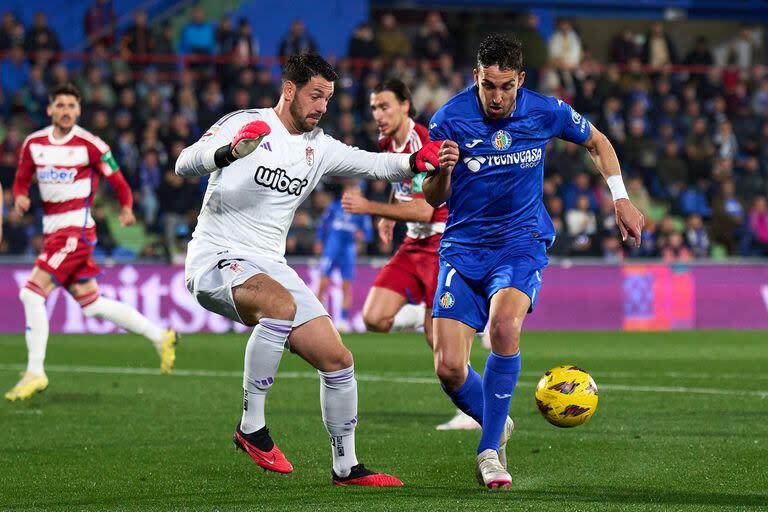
(392, 40)
(150, 178)
(433, 39)
(178, 202)
(301, 237)
(297, 40)
(430, 94)
(739, 50)
(696, 236)
(586, 102)
(672, 171)
(96, 90)
(624, 47)
(693, 200)
(639, 150)
(14, 71)
(659, 50)
(245, 45)
(100, 22)
(750, 182)
(225, 35)
(580, 186)
(638, 194)
(581, 223)
(535, 48)
(567, 160)
(11, 32)
(138, 40)
(162, 43)
(212, 107)
(565, 52)
(197, 38)
(758, 226)
(728, 219)
(611, 121)
(41, 37)
(674, 249)
(363, 44)
(699, 55)
(725, 141)
(700, 151)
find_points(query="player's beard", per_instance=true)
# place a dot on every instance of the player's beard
(300, 119)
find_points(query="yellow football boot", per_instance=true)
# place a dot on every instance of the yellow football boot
(167, 351)
(29, 384)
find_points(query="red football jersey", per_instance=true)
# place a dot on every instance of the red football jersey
(406, 190)
(67, 172)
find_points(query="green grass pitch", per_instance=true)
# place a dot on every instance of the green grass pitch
(682, 424)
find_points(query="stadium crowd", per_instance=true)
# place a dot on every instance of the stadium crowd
(693, 140)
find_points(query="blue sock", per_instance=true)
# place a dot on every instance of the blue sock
(499, 382)
(345, 314)
(469, 397)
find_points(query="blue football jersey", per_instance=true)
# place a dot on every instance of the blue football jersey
(496, 200)
(338, 228)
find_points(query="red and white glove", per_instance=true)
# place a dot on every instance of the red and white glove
(248, 138)
(426, 159)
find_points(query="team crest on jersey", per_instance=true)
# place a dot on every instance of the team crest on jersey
(309, 153)
(447, 301)
(501, 140)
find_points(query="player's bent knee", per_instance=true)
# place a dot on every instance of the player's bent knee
(452, 376)
(377, 323)
(505, 332)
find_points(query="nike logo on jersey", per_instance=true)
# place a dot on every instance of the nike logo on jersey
(502, 397)
(474, 143)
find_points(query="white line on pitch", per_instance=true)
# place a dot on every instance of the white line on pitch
(365, 377)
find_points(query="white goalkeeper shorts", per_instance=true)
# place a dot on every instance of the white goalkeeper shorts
(211, 284)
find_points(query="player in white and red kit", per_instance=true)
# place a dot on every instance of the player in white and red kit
(67, 162)
(402, 294)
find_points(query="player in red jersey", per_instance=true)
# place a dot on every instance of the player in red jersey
(402, 294)
(67, 162)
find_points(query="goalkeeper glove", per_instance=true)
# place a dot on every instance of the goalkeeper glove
(245, 142)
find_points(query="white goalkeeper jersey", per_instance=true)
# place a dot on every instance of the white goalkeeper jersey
(249, 205)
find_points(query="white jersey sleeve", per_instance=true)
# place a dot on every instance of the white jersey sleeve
(343, 160)
(197, 159)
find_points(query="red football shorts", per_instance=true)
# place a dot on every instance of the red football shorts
(412, 271)
(68, 259)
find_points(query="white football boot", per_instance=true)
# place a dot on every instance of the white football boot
(509, 426)
(490, 472)
(460, 421)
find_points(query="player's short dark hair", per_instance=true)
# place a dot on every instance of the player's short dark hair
(301, 67)
(68, 89)
(501, 50)
(400, 89)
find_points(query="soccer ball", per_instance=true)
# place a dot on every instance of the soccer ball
(566, 396)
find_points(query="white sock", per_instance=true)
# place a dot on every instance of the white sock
(123, 315)
(36, 334)
(338, 401)
(409, 318)
(262, 357)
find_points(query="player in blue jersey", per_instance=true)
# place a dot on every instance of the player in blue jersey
(493, 250)
(338, 234)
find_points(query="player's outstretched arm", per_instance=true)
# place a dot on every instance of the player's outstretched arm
(628, 218)
(216, 150)
(343, 160)
(437, 184)
(416, 210)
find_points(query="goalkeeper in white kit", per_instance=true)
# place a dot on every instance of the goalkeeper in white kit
(263, 163)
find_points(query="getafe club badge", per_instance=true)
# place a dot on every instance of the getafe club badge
(310, 155)
(447, 301)
(501, 140)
